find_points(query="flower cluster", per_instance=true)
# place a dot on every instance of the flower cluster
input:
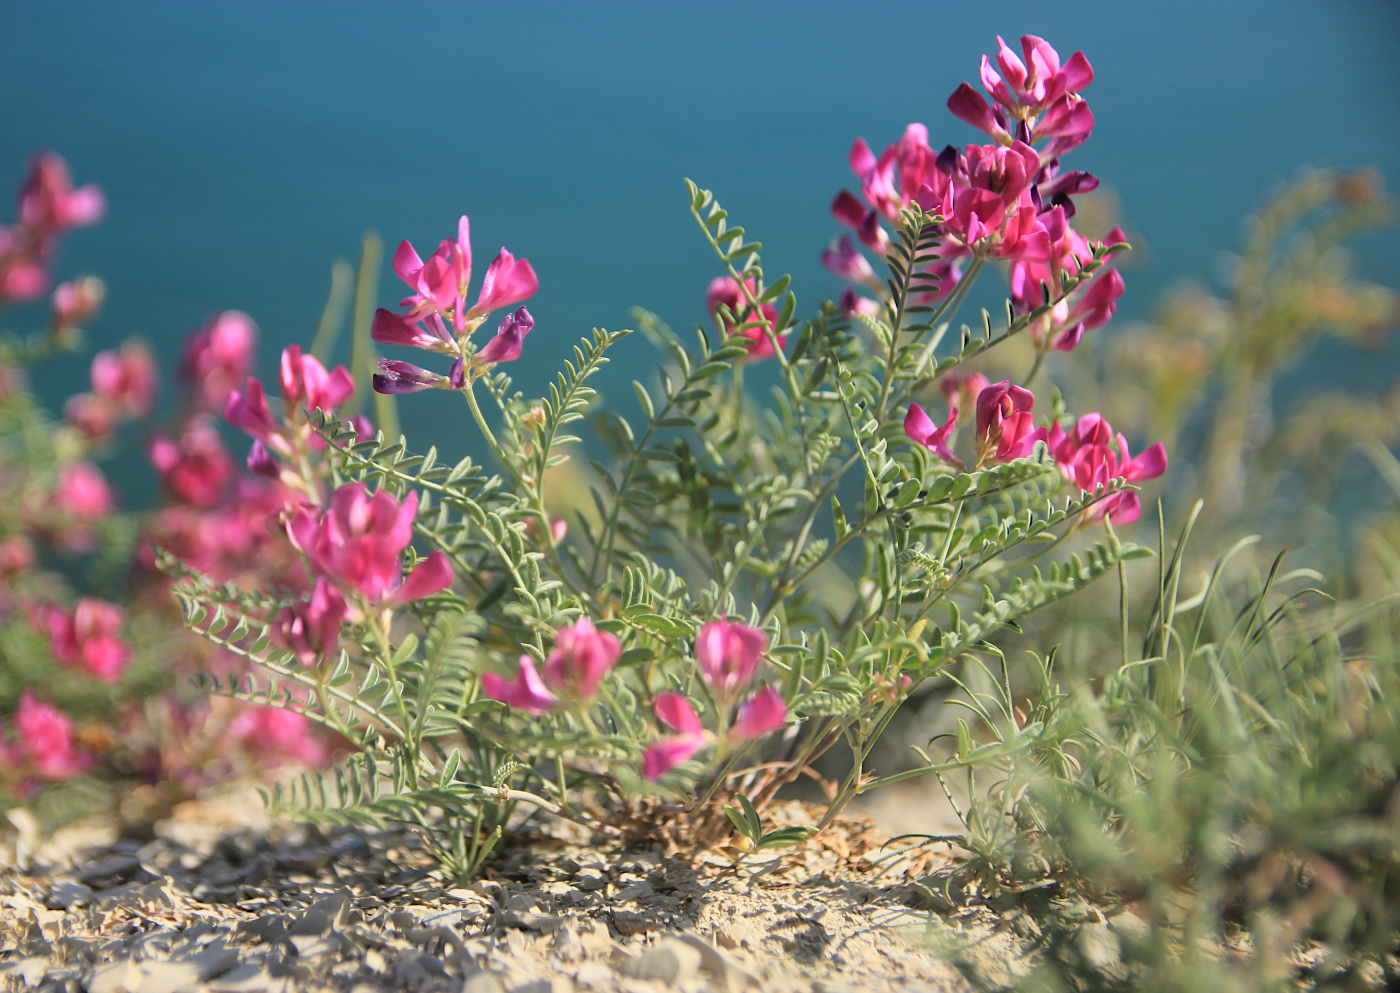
(734, 316)
(1007, 200)
(49, 206)
(438, 319)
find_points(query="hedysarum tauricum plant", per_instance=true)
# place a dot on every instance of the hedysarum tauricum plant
(748, 586)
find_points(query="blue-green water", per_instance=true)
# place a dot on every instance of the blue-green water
(244, 146)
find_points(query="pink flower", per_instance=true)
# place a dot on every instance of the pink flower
(967, 105)
(527, 692)
(45, 749)
(763, 713)
(1089, 308)
(90, 414)
(82, 492)
(729, 654)
(48, 202)
(77, 302)
(249, 411)
(844, 259)
(887, 183)
(86, 636)
(1025, 88)
(921, 431)
(1085, 457)
(582, 656)
(675, 711)
(311, 629)
(126, 378)
(505, 347)
(277, 736)
(440, 284)
(358, 542)
(987, 203)
(390, 328)
(306, 382)
(1005, 425)
(197, 467)
(725, 294)
(853, 304)
(218, 357)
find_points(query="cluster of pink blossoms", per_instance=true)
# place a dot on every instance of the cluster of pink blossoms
(1005, 430)
(49, 206)
(1007, 200)
(727, 654)
(438, 318)
(734, 316)
(44, 749)
(88, 635)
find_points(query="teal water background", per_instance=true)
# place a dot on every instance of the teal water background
(244, 146)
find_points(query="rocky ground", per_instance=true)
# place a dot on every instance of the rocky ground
(224, 899)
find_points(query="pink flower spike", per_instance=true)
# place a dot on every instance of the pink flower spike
(729, 654)
(765, 712)
(582, 656)
(527, 692)
(921, 431)
(506, 282)
(432, 575)
(510, 336)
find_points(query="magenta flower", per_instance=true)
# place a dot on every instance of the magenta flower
(45, 749)
(87, 636)
(967, 105)
(763, 713)
(306, 382)
(505, 347)
(218, 357)
(853, 304)
(725, 292)
(887, 183)
(248, 410)
(358, 542)
(390, 328)
(1090, 307)
(729, 654)
(527, 692)
(675, 711)
(48, 202)
(921, 431)
(440, 284)
(396, 377)
(1026, 87)
(1085, 457)
(1005, 425)
(311, 630)
(197, 467)
(582, 656)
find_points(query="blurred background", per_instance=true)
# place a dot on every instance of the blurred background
(244, 147)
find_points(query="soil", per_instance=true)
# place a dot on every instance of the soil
(226, 899)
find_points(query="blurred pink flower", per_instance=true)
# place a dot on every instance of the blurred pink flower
(77, 302)
(527, 692)
(921, 430)
(48, 202)
(582, 656)
(440, 284)
(764, 712)
(197, 467)
(311, 629)
(726, 292)
(729, 654)
(358, 541)
(126, 378)
(277, 736)
(218, 358)
(675, 711)
(82, 492)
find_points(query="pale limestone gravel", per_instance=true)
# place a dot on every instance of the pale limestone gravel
(225, 900)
